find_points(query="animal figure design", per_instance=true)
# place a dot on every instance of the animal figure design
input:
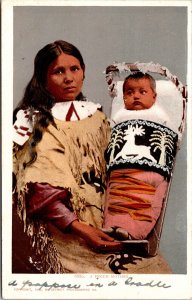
(130, 149)
(117, 261)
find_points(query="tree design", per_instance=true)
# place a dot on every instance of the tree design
(137, 130)
(162, 142)
(116, 140)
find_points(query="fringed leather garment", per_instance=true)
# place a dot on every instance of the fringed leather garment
(70, 156)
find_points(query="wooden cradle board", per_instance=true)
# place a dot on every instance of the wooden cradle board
(113, 72)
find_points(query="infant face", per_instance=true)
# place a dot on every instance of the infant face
(138, 94)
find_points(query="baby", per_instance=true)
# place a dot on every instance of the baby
(139, 161)
(139, 91)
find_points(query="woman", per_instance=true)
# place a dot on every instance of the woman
(59, 166)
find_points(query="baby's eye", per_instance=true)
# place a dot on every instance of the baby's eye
(129, 92)
(143, 92)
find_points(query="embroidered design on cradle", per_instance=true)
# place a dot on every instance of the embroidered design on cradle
(142, 144)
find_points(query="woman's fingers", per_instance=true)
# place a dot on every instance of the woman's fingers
(106, 243)
(103, 242)
(105, 236)
(96, 238)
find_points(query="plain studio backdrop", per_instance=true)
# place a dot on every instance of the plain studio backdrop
(105, 34)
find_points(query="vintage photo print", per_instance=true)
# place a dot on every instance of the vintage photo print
(96, 149)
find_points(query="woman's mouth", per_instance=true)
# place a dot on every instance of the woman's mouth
(70, 88)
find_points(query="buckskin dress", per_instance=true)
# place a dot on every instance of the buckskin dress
(67, 180)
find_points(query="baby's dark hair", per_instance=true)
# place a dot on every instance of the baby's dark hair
(140, 75)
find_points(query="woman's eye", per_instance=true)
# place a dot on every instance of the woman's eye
(58, 71)
(75, 68)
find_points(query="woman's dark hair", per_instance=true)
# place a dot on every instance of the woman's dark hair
(36, 96)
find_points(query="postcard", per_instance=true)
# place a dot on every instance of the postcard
(64, 63)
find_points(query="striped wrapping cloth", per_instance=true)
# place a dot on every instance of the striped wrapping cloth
(126, 195)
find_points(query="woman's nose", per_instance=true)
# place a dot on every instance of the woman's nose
(68, 77)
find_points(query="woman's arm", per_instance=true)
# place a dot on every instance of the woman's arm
(50, 203)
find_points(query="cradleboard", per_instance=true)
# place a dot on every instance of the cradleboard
(171, 93)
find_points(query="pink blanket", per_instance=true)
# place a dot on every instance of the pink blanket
(134, 201)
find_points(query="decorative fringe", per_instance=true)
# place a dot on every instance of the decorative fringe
(45, 258)
(78, 152)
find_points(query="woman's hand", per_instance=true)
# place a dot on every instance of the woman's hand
(95, 238)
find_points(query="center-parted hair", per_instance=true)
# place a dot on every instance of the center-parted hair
(36, 95)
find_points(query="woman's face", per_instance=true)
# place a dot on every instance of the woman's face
(65, 78)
